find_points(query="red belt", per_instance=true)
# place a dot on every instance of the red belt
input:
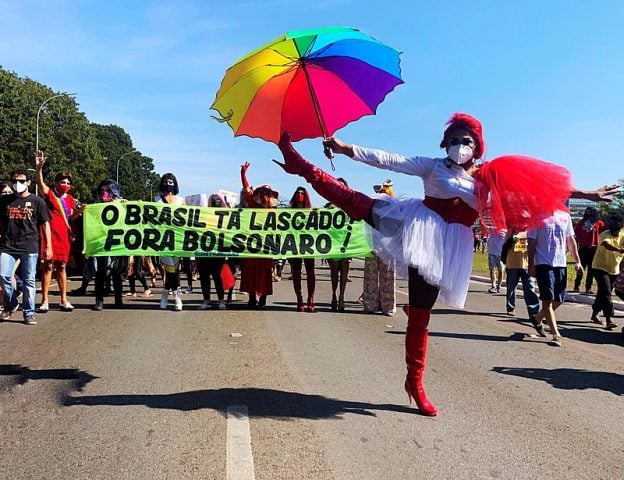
(452, 210)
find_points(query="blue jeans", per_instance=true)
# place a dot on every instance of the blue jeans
(28, 266)
(528, 287)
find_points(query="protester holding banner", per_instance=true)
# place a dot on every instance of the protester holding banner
(431, 239)
(169, 190)
(257, 273)
(301, 199)
(62, 207)
(338, 272)
(212, 266)
(106, 192)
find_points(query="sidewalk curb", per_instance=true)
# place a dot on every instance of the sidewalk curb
(571, 297)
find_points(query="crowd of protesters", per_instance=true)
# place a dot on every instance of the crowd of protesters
(38, 234)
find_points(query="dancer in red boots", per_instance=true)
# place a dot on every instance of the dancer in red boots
(431, 239)
(301, 199)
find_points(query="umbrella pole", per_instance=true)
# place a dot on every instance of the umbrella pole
(326, 150)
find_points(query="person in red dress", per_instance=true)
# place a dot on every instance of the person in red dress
(257, 273)
(62, 206)
(301, 199)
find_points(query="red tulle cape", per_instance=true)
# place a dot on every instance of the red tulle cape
(518, 192)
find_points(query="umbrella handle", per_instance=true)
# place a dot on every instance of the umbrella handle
(329, 153)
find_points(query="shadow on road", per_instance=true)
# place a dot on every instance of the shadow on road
(24, 374)
(515, 337)
(595, 335)
(570, 378)
(262, 403)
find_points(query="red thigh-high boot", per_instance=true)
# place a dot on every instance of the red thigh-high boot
(311, 283)
(416, 337)
(356, 204)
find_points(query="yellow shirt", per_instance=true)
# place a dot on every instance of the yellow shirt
(607, 260)
(517, 255)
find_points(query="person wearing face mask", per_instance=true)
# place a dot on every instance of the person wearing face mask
(211, 267)
(169, 194)
(62, 207)
(257, 273)
(108, 191)
(24, 216)
(606, 268)
(301, 199)
(587, 231)
(431, 239)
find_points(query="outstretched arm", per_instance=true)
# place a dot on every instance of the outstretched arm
(39, 162)
(602, 194)
(244, 181)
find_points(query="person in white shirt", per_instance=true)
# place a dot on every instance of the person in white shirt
(547, 262)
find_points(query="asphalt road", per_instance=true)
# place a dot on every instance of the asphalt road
(140, 393)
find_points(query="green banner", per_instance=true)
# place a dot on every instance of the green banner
(159, 229)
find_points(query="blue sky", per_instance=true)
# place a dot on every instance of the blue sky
(544, 76)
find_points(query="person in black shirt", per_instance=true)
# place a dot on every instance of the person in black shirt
(24, 214)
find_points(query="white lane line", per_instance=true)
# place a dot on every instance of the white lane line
(239, 457)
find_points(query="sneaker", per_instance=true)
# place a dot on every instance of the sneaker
(576, 290)
(204, 305)
(589, 292)
(98, 307)
(147, 293)
(189, 290)
(66, 307)
(511, 313)
(492, 290)
(178, 303)
(44, 307)
(30, 320)
(221, 305)
(5, 315)
(497, 288)
(539, 326)
(611, 325)
(556, 341)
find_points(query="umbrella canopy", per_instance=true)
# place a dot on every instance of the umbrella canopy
(307, 82)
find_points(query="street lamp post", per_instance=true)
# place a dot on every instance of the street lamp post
(119, 160)
(37, 127)
(151, 199)
(39, 113)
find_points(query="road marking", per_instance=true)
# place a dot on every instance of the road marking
(239, 457)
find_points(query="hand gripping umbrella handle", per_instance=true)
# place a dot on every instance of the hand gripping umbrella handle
(329, 153)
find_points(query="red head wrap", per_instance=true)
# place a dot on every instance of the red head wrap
(463, 120)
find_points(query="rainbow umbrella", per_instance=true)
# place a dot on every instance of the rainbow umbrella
(307, 82)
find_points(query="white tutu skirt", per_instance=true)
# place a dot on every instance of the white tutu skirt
(415, 236)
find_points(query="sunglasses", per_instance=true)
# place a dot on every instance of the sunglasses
(15, 180)
(463, 141)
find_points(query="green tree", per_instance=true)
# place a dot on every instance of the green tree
(136, 171)
(71, 143)
(65, 134)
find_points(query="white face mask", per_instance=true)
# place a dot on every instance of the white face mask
(20, 187)
(460, 154)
